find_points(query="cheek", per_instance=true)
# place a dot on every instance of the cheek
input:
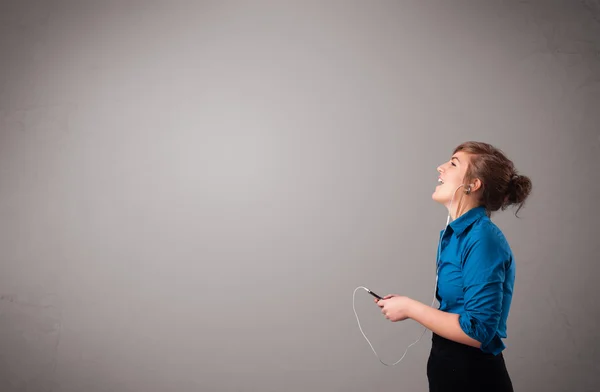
(455, 179)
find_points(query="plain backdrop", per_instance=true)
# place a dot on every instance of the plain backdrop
(190, 191)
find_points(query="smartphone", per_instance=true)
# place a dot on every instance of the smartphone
(374, 295)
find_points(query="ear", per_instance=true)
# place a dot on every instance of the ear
(475, 185)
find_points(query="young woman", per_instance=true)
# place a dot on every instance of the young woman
(475, 273)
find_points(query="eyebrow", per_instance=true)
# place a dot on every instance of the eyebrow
(456, 159)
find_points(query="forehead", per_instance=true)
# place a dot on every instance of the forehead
(461, 156)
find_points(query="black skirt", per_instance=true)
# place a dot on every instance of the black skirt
(457, 367)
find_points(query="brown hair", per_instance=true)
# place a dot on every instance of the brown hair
(502, 185)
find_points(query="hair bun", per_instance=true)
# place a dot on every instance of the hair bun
(519, 187)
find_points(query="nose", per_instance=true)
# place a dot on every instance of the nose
(439, 169)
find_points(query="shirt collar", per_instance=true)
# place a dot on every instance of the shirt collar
(468, 218)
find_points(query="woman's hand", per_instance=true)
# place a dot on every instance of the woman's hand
(395, 307)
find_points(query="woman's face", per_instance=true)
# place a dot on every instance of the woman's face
(451, 177)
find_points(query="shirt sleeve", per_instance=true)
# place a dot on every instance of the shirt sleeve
(484, 270)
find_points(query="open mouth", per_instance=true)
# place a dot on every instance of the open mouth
(440, 182)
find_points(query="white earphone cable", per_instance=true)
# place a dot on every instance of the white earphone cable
(432, 302)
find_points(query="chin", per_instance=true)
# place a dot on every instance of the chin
(437, 198)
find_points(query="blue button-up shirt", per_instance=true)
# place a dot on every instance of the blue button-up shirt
(476, 275)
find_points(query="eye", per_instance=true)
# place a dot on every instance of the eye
(453, 164)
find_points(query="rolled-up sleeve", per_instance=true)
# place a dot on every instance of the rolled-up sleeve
(483, 271)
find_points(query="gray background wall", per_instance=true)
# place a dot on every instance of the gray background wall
(191, 191)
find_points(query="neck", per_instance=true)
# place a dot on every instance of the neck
(459, 208)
